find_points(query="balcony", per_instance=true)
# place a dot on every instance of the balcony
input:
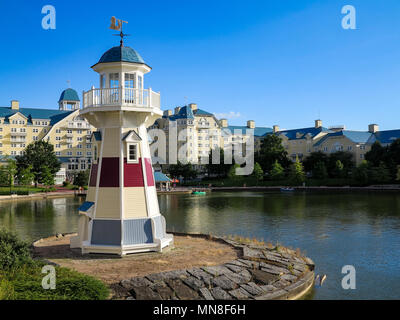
(130, 97)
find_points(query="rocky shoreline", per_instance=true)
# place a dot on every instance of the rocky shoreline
(261, 272)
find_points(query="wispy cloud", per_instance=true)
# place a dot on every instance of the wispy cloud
(229, 115)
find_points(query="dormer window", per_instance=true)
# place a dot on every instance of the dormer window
(132, 149)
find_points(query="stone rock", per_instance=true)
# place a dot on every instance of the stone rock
(224, 282)
(206, 294)
(281, 284)
(233, 268)
(300, 267)
(268, 288)
(246, 275)
(201, 275)
(216, 270)
(252, 253)
(181, 290)
(135, 282)
(164, 291)
(240, 294)
(289, 277)
(144, 293)
(237, 263)
(264, 277)
(248, 263)
(220, 294)
(277, 295)
(119, 291)
(194, 283)
(237, 278)
(252, 288)
(130, 298)
(273, 268)
(175, 274)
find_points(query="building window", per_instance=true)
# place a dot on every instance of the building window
(58, 131)
(362, 147)
(58, 153)
(132, 153)
(130, 80)
(114, 80)
(58, 146)
(361, 156)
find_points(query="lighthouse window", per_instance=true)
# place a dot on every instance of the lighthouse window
(130, 80)
(140, 82)
(132, 152)
(114, 80)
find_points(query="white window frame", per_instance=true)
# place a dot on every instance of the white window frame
(128, 158)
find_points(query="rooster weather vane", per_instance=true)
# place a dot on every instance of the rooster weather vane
(116, 24)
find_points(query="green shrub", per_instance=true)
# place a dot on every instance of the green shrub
(13, 251)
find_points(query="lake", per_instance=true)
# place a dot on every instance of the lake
(333, 228)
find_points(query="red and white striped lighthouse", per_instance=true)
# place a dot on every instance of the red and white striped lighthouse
(121, 213)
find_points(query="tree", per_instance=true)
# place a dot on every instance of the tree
(47, 177)
(277, 172)
(9, 172)
(380, 174)
(40, 155)
(82, 178)
(361, 173)
(296, 173)
(345, 157)
(319, 171)
(398, 174)
(232, 172)
(26, 176)
(338, 172)
(258, 172)
(221, 169)
(311, 161)
(272, 150)
(376, 155)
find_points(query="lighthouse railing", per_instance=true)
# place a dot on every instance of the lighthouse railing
(121, 95)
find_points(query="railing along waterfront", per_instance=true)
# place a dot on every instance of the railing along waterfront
(118, 96)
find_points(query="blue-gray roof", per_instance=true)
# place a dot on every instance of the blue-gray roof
(258, 131)
(387, 136)
(161, 177)
(124, 54)
(354, 136)
(296, 134)
(97, 135)
(69, 95)
(200, 112)
(32, 113)
(184, 113)
(86, 206)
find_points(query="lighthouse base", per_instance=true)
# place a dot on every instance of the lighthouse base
(121, 237)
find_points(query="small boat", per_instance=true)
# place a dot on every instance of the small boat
(199, 193)
(287, 189)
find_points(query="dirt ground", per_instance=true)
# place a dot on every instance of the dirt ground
(188, 252)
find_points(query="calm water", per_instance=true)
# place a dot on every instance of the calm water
(334, 229)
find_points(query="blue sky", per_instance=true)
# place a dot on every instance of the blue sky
(285, 62)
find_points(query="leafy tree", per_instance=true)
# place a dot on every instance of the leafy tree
(272, 150)
(361, 173)
(345, 157)
(376, 155)
(82, 178)
(47, 177)
(9, 172)
(39, 154)
(188, 172)
(232, 171)
(398, 174)
(319, 171)
(258, 172)
(221, 169)
(313, 159)
(380, 174)
(339, 171)
(26, 176)
(296, 173)
(277, 172)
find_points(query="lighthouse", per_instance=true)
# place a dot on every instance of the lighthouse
(121, 213)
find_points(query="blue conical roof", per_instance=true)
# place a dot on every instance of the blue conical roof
(69, 95)
(121, 54)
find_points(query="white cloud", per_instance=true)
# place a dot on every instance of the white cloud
(229, 115)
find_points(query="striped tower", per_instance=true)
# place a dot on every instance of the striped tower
(121, 213)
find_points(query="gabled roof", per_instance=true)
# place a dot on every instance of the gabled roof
(296, 134)
(161, 177)
(387, 136)
(354, 136)
(35, 113)
(131, 135)
(86, 206)
(258, 131)
(97, 135)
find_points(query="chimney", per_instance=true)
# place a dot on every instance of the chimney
(223, 123)
(318, 123)
(193, 106)
(168, 113)
(14, 104)
(177, 109)
(251, 124)
(372, 128)
(275, 128)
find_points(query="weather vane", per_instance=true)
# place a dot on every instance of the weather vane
(116, 24)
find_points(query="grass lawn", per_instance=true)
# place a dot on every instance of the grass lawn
(20, 190)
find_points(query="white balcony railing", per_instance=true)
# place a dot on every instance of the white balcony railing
(121, 96)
